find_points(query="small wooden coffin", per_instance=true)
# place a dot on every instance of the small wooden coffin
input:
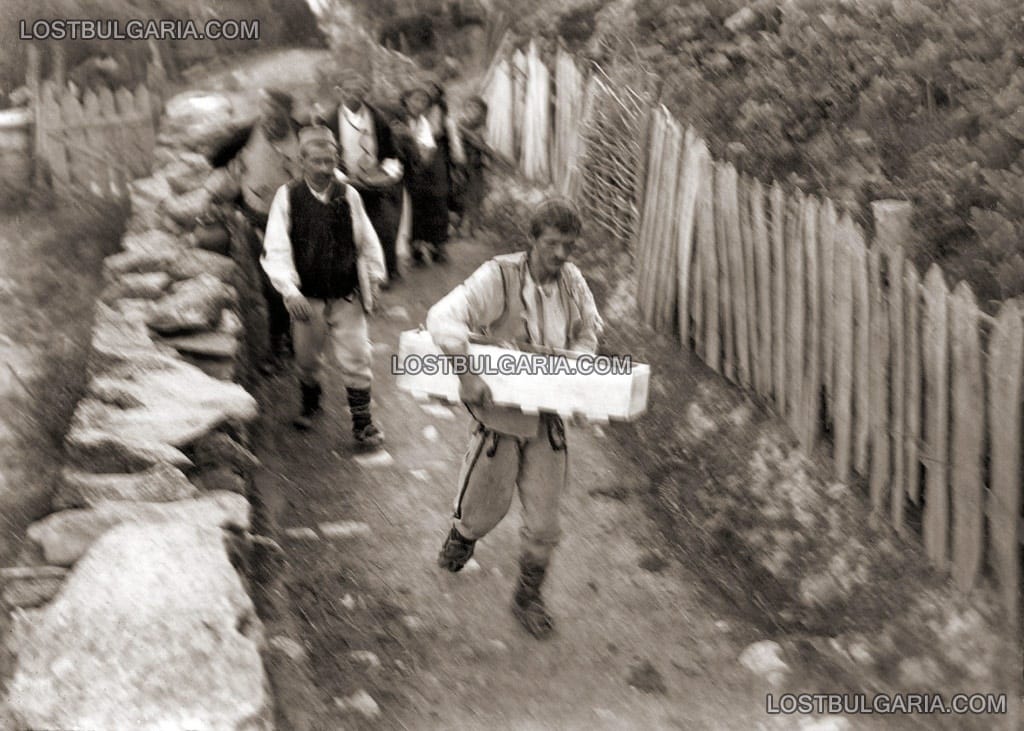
(602, 388)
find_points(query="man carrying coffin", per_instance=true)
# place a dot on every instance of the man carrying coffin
(322, 254)
(537, 298)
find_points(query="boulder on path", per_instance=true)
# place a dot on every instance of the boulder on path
(170, 404)
(117, 338)
(212, 237)
(152, 630)
(220, 478)
(764, 659)
(137, 262)
(208, 345)
(193, 262)
(203, 122)
(744, 20)
(223, 343)
(152, 242)
(192, 305)
(187, 208)
(219, 449)
(30, 586)
(148, 193)
(150, 285)
(187, 171)
(160, 483)
(66, 535)
(222, 185)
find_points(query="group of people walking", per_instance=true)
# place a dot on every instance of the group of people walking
(402, 177)
(328, 205)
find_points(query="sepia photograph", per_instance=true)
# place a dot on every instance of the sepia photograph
(537, 365)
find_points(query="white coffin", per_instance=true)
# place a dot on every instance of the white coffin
(521, 380)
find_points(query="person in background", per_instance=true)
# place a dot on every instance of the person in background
(369, 159)
(469, 183)
(268, 160)
(427, 152)
(539, 300)
(323, 255)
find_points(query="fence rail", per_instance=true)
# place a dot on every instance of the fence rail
(783, 294)
(96, 143)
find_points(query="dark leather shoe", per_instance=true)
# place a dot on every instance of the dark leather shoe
(456, 551)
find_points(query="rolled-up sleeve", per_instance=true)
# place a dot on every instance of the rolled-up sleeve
(277, 259)
(588, 328)
(472, 305)
(367, 241)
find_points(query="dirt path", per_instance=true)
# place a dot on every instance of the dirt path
(450, 654)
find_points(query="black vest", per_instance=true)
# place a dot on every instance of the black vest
(323, 245)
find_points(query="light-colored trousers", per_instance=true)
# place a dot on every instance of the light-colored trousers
(494, 466)
(340, 325)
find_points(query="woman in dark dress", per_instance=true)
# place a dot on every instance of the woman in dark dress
(427, 158)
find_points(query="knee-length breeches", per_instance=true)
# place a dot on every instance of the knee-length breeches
(338, 326)
(495, 465)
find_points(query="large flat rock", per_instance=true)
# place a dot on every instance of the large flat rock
(187, 171)
(66, 535)
(159, 484)
(194, 262)
(153, 631)
(154, 409)
(151, 285)
(202, 121)
(192, 305)
(209, 345)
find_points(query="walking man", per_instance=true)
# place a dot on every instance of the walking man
(322, 254)
(538, 298)
(369, 159)
(269, 159)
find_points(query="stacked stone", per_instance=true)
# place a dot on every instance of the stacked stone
(128, 611)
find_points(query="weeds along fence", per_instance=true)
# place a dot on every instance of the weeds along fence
(906, 382)
(96, 142)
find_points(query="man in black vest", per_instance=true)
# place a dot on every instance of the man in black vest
(323, 255)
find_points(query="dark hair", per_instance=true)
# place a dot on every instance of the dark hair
(557, 213)
(280, 98)
(479, 102)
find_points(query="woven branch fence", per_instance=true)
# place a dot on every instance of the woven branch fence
(917, 390)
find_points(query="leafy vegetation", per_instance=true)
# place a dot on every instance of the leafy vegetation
(915, 99)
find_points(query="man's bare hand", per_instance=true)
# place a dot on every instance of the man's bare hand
(473, 390)
(298, 307)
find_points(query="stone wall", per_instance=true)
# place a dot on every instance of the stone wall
(128, 610)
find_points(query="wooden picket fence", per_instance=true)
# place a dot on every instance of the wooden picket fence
(571, 129)
(918, 390)
(96, 144)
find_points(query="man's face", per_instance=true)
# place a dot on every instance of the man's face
(318, 163)
(417, 103)
(474, 113)
(553, 248)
